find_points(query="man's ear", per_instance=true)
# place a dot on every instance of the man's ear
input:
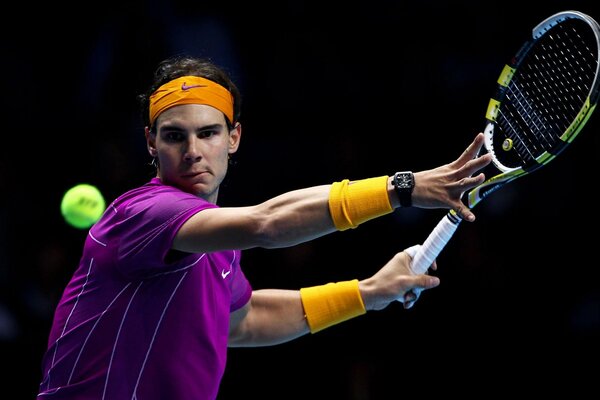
(235, 136)
(150, 142)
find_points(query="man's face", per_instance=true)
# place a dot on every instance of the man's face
(193, 145)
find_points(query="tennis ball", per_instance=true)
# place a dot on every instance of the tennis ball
(82, 205)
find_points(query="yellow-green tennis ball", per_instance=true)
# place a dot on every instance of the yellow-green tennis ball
(82, 205)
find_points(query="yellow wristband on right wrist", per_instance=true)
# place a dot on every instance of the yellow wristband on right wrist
(330, 304)
(352, 203)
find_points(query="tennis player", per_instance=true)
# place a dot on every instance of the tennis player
(159, 293)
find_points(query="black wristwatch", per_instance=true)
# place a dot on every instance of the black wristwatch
(404, 182)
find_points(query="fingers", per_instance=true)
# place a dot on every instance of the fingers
(427, 282)
(471, 182)
(469, 163)
(464, 212)
(420, 283)
(410, 297)
(475, 164)
(412, 251)
(467, 184)
(434, 265)
(408, 304)
(472, 150)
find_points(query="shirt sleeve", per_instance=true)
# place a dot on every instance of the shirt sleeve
(147, 230)
(241, 290)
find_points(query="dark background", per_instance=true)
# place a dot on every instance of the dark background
(332, 90)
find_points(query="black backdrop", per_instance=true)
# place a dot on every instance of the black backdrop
(331, 91)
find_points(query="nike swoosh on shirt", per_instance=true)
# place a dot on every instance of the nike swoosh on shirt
(225, 273)
(187, 87)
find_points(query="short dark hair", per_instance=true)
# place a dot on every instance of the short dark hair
(178, 66)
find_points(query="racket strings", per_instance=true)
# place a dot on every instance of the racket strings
(548, 90)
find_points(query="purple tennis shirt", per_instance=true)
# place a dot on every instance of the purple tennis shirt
(139, 320)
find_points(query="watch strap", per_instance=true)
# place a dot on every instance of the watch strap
(404, 183)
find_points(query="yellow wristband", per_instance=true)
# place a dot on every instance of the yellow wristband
(352, 203)
(330, 304)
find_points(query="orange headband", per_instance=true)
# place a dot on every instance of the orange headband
(191, 90)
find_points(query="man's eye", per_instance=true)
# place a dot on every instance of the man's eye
(206, 134)
(173, 136)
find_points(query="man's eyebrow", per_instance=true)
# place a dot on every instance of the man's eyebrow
(211, 127)
(174, 126)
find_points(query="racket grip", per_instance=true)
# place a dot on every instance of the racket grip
(435, 242)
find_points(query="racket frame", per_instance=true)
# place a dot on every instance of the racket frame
(445, 229)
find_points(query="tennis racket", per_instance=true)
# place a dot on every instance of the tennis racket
(544, 97)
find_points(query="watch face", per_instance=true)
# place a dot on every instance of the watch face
(404, 181)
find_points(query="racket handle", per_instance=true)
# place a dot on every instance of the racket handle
(431, 248)
(435, 242)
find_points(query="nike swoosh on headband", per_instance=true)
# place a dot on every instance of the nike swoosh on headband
(186, 87)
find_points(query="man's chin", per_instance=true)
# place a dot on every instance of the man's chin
(204, 191)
